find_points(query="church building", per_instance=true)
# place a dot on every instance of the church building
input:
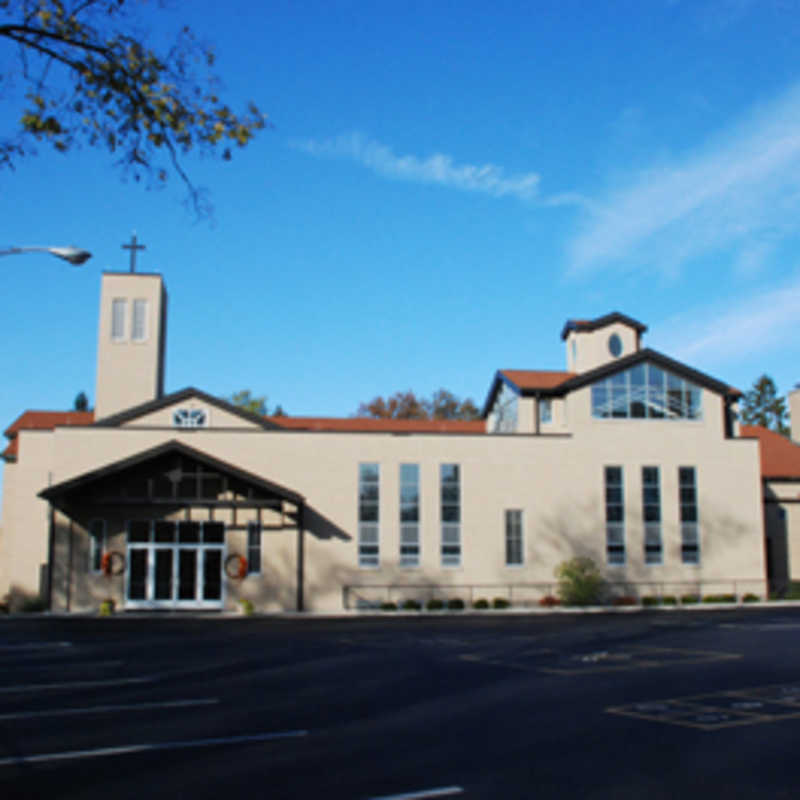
(184, 501)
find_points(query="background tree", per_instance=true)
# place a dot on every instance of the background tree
(255, 405)
(763, 406)
(406, 405)
(88, 78)
(81, 402)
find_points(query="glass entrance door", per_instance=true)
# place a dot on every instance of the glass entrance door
(175, 565)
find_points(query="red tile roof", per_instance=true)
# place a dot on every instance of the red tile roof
(42, 421)
(780, 458)
(369, 425)
(47, 420)
(536, 378)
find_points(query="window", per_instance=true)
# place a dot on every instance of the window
(545, 410)
(615, 345)
(615, 516)
(118, 305)
(514, 552)
(690, 540)
(409, 515)
(504, 411)
(651, 512)
(190, 418)
(139, 325)
(450, 488)
(368, 502)
(97, 544)
(253, 548)
(645, 392)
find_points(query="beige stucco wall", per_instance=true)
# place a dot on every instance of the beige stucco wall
(794, 414)
(592, 346)
(23, 545)
(557, 482)
(129, 372)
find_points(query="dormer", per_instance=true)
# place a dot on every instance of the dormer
(593, 343)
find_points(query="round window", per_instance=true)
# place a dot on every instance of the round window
(615, 345)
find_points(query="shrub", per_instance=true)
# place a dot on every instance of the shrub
(650, 600)
(750, 598)
(625, 600)
(548, 601)
(579, 582)
(793, 592)
(669, 600)
(719, 598)
(481, 602)
(500, 602)
(434, 604)
(455, 604)
(411, 605)
(31, 605)
(386, 606)
(107, 607)
(247, 607)
(689, 599)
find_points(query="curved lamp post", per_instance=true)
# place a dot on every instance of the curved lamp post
(74, 255)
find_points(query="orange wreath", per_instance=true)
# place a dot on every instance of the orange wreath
(105, 564)
(236, 566)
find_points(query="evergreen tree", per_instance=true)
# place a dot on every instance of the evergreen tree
(762, 406)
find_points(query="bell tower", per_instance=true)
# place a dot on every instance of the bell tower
(131, 341)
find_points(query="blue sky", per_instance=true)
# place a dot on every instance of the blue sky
(446, 183)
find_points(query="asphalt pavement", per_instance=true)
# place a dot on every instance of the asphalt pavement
(646, 705)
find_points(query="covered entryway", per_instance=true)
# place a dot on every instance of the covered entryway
(175, 519)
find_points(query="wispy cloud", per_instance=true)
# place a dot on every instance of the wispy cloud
(742, 188)
(436, 169)
(724, 334)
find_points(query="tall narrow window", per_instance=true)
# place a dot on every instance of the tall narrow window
(118, 305)
(368, 515)
(545, 410)
(451, 515)
(615, 516)
(514, 552)
(97, 544)
(409, 515)
(651, 511)
(253, 548)
(690, 539)
(139, 324)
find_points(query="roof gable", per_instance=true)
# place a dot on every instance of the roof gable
(588, 325)
(654, 357)
(184, 395)
(60, 493)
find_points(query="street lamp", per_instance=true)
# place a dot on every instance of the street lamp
(74, 255)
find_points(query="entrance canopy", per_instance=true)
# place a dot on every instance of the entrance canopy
(171, 474)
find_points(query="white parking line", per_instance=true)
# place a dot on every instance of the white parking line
(67, 712)
(40, 687)
(103, 752)
(444, 791)
(33, 646)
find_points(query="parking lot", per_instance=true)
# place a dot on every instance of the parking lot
(648, 704)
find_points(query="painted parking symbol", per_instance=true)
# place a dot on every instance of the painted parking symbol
(633, 658)
(720, 710)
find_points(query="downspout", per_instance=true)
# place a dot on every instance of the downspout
(300, 556)
(537, 414)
